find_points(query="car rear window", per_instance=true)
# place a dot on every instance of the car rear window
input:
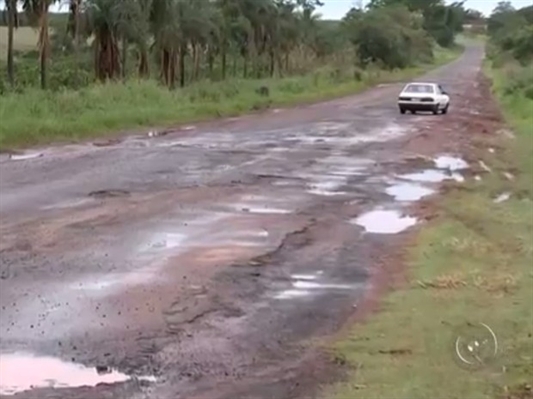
(418, 88)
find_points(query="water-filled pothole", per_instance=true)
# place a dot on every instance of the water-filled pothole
(303, 285)
(450, 162)
(385, 221)
(23, 372)
(408, 191)
(23, 157)
(432, 176)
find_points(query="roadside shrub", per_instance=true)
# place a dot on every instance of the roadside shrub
(519, 79)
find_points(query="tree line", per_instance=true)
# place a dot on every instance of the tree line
(510, 46)
(511, 31)
(179, 41)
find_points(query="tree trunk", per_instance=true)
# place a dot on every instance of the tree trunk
(183, 50)
(272, 63)
(173, 56)
(143, 64)
(77, 40)
(245, 67)
(165, 67)
(11, 13)
(211, 62)
(44, 44)
(280, 66)
(224, 61)
(124, 56)
(197, 63)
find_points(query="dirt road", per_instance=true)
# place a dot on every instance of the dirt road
(202, 262)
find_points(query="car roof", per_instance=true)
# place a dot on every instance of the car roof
(421, 83)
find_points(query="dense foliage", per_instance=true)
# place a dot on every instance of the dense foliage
(181, 41)
(511, 45)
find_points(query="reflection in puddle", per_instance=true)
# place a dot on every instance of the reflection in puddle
(408, 191)
(290, 294)
(502, 198)
(385, 222)
(22, 157)
(303, 284)
(450, 163)
(265, 210)
(432, 176)
(304, 276)
(21, 372)
(69, 204)
(313, 285)
(169, 240)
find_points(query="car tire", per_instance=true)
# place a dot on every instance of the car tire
(445, 109)
(402, 110)
(413, 111)
(436, 110)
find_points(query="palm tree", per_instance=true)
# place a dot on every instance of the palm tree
(12, 23)
(74, 22)
(37, 12)
(103, 22)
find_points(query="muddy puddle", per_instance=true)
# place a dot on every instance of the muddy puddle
(304, 285)
(432, 176)
(407, 192)
(450, 162)
(384, 221)
(23, 157)
(22, 372)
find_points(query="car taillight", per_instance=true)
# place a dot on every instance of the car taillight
(405, 98)
(427, 99)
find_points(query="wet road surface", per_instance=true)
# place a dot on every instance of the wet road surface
(202, 262)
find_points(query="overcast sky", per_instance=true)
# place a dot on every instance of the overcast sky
(336, 9)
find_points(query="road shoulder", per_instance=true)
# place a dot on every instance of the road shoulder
(470, 264)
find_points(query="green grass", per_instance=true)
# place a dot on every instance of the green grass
(25, 39)
(473, 264)
(38, 117)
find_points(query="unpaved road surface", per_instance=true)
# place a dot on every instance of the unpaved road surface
(204, 262)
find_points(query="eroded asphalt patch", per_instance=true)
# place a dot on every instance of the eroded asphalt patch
(200, 263)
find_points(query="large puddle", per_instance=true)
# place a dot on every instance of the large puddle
(22, 372)
(385, 222)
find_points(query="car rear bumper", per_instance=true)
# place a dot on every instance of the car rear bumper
(412, 106)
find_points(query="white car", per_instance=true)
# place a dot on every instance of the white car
(417, 96)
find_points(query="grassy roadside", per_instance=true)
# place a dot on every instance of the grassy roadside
(473, 264)
(37, 117)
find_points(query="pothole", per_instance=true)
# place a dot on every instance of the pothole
(384, 221)
(108, 193)
(432, 176)
(291, 294)
(303, 285)
(450, 162)
(23, 157)
(264, 210)
(24, 372)
(408, 191)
